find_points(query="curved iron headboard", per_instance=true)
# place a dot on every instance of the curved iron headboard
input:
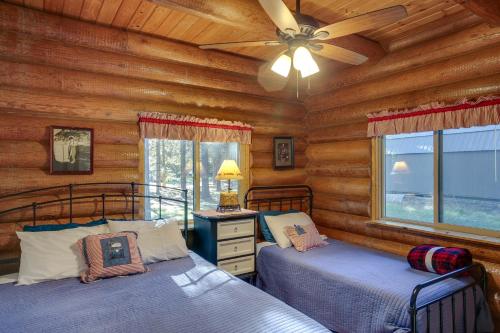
(182, 199)
(280, 199)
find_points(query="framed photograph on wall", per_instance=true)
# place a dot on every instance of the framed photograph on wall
(284, 157)
(71, 150)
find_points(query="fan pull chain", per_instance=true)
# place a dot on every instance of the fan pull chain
(297, 85)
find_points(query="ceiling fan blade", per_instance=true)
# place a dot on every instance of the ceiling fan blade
(362, 22)
(340, 54)
(222, 46)
(279, 13)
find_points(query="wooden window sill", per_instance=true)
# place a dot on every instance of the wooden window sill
(437, 232)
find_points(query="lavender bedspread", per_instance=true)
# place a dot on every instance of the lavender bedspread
(353, 289)
(184, 295)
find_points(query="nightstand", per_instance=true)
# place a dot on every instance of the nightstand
(227, 240)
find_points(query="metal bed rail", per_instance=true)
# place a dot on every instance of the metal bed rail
(415, 308)
(181, 199)
(307, 197)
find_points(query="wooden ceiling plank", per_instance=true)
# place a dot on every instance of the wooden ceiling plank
(73, 8)
(141, 15)
(125, 13)
(199, 27)
(489, 10)
(90, 10)
(16, 2)
(170, 22)
(38, 4)
(156, 19)
(108, 11)
(182, 27)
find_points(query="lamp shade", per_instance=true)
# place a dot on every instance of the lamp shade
(282, 65)
(228, 171)
(400, 167)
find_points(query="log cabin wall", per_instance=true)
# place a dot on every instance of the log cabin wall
(59, 71)
(465, 63)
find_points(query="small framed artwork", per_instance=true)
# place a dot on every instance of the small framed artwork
(71, 150)
(283, 153)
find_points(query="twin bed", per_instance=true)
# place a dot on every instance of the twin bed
(350, 288)
(342, 287)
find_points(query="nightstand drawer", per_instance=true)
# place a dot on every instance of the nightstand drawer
(236, 228)
(235, 247)
(239, 265)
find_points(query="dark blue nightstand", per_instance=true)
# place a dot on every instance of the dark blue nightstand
(227, 240)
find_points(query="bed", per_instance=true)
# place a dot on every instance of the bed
(350, 288)
(181, 295)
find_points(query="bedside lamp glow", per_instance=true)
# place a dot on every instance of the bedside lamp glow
(228, 201)
(400, 167)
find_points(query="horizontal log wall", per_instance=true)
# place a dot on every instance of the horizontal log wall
(58, 71)
(464, 64)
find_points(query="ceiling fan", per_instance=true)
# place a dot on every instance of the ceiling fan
(301, 34)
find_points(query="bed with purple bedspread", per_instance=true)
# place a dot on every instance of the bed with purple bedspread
(183, 295)
(354, 289)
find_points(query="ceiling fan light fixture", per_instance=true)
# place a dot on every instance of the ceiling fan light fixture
(282, 65)
(304, 62)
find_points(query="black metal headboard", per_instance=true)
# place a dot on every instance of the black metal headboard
(265, 196)
(129, 191)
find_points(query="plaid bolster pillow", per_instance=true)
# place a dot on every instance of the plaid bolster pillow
(437, 259)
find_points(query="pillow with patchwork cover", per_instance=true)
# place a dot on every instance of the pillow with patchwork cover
(304, 237)
(437, 259)
(264, 228)
(112, 254)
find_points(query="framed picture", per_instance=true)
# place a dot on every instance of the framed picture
(71, 151)
(283, 153)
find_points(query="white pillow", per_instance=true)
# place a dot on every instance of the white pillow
(157, 240)
(53, 255)
(278, 223)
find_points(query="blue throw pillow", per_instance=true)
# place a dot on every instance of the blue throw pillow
(268, 236)
(59, 227)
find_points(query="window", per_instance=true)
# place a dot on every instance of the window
(447, 177)
(173, 163)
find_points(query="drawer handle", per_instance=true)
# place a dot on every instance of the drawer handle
(235, 229)
(236, 249)
(236, 267)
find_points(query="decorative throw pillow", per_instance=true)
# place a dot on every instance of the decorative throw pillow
(264, 228)
(112, 254)
(437, 259)
(158, 240)
(278, 223)
(304, 237)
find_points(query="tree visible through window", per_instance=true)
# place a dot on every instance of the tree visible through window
(172, 163)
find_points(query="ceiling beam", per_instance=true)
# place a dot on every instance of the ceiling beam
(489, 10)
(249, 16)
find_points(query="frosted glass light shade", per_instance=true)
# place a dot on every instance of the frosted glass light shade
(304, 62)
(228, 171)
(282, 65)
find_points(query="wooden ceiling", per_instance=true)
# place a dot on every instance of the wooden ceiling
(150, 18)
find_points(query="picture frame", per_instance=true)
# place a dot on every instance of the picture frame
(283, 153)
(71, 150)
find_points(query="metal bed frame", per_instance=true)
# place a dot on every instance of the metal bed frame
(414, 308)
(181, 199)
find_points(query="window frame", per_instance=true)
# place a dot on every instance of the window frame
(244, 158)
(378, 191)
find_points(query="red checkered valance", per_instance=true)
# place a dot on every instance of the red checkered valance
(175, 127)
(436, 116)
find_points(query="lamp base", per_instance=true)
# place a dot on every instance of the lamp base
(228, 202)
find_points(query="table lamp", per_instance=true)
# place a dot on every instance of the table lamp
(228, 201)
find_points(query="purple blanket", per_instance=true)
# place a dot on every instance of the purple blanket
(354, 289)
(184, 295)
